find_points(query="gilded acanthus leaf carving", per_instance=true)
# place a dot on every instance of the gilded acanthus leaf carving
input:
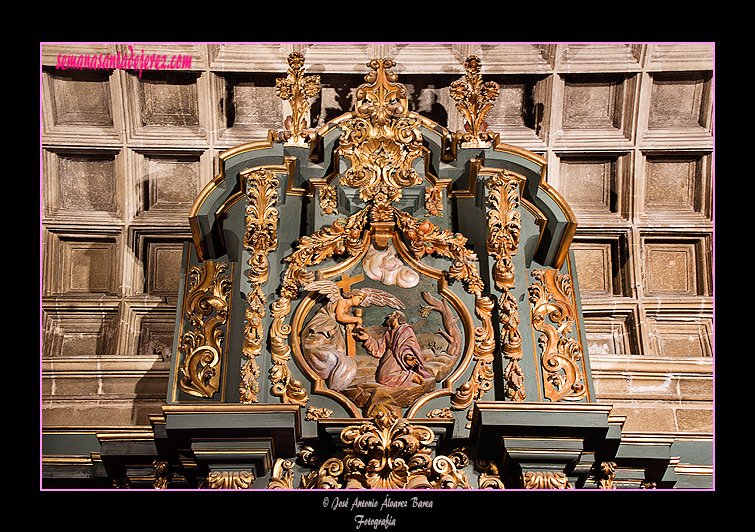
(282, 476)
(230, 480)
(426, 238)
(206, 308)
(554, 315)
(545, 480)
(605, 473)
(481, 379)
(490, 477)
(260, 238)
(502, 243)
(382, 453)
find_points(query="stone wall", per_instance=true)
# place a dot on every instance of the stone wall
(627, 131)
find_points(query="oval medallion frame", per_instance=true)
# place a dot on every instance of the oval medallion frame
(308, 302)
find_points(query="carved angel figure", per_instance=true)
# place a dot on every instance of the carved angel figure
(325, 343)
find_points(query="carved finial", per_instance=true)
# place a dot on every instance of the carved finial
(474, 99)
(296, 89)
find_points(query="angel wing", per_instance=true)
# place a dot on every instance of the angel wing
(326, 288)
(372, 296)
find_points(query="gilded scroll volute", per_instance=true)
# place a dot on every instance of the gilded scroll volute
(206, 308)
(554, 314)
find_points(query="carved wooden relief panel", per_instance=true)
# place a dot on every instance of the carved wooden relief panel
(382, 250)
(389, 265)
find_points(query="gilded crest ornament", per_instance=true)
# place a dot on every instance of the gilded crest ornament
(382, 140)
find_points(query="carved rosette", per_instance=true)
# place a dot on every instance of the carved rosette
(554, 315)
(296, 88)
(504, 227)
(206, 308)
(474, 98)
(261, 237)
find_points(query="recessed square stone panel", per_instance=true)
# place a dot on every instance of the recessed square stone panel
(680, 335)
(169, 99)
(87, 182)
(679, 100)
(88, 266)
(514, 107)
(677, 185)
(521, 111)
(171, 182)
(671, 183)
(594, 267)
(80, 331)
(156, 334)
(602, 264)
(670, 268)
(589, 183)
(251, 102)
(593, 101)
(83, 265)
(163, 267)
(337, 96)
(81, 97)
(611, 332)
(597, 187)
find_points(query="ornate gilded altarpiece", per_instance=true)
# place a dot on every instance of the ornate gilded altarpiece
(383, 303)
